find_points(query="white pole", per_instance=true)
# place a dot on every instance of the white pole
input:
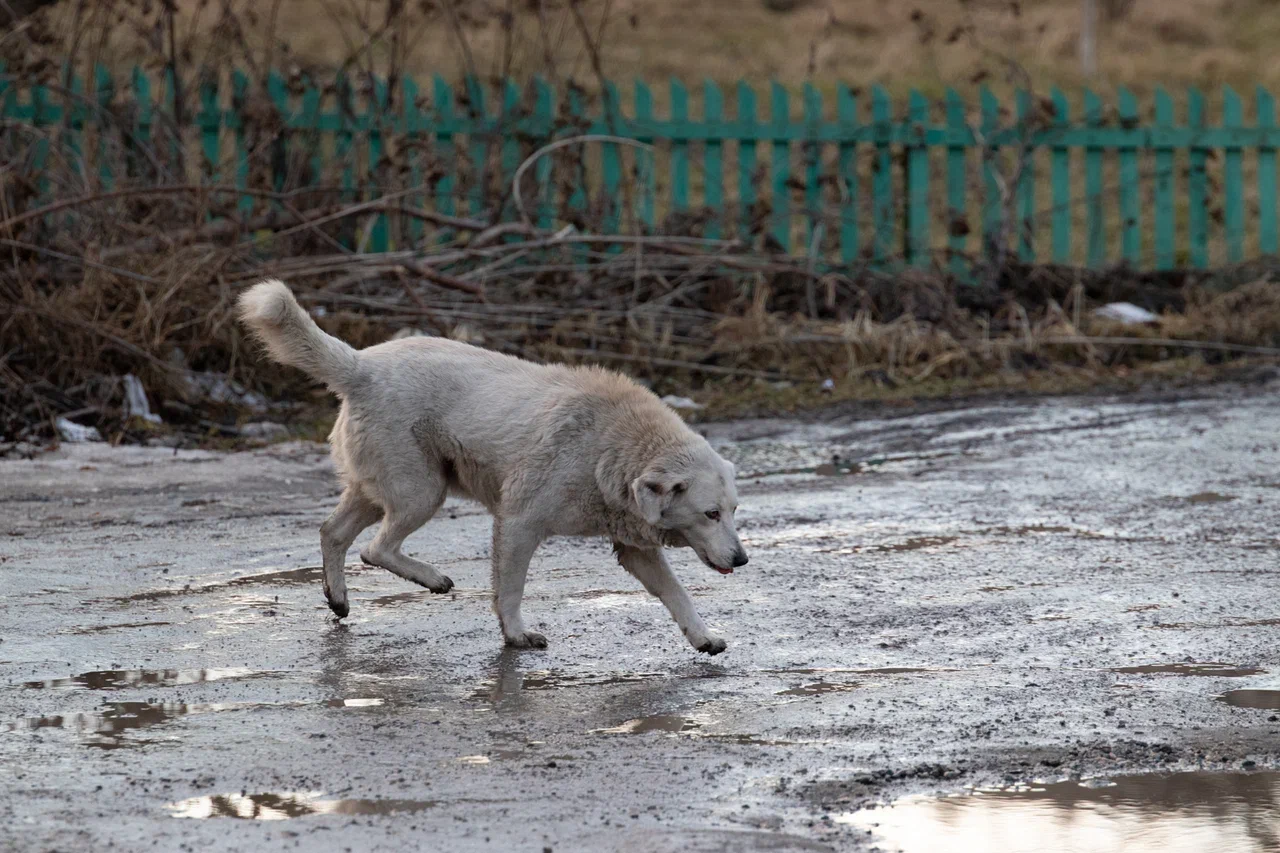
(1088, 37)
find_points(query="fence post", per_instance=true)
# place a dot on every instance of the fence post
(847, 164)
(1197, 183)
(141, 122)
(747, 158)
(882, 174)
(444, 127)
(413, 127)
(713, 158)
(1096, 248)
(1233, 176)
(1060, 155)
(1164, 212)
(209, 122)
(239, 101)
(478, 140)
(917, 180)
(509, 128)
(1266, 108)
(646, 161)
(1130, 224)
(544, 115)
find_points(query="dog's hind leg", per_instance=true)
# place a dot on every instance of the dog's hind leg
(650, 567)
(514, 542)
(355, 512)
(412, 507)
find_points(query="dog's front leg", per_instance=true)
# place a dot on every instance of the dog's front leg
(650, 567)
(514, 541)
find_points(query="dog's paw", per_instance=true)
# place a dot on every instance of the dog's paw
(527, 640)
(712, 645)
(339, 608)
(443, 585)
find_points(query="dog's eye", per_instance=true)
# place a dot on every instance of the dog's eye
(714, 515)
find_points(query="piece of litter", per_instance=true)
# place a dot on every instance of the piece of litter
(74, 433)
(135, 400)
(409, 332)
(828, 385)
(217, 388)
(1126, 312)
(264, 429)
(681, 402)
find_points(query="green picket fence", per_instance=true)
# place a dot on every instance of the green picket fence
(847, 176)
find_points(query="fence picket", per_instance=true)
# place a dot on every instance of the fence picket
(882, 175)
(1026, 171)
(812, 152)
(1233, 178)
(646, 161)
(847, 164)
(957, 184)
(1060, 155)
(917, 179)
(1096, 239)
(713, 159)
(1266, 109)
(1197, 186)
(992, 203)
(679, 147)
(1164, 180)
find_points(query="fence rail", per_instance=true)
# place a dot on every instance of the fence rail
(935, 183)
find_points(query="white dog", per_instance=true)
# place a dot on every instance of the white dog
(547, 449)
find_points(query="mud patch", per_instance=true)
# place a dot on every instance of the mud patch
(490, 689)
(1218, 670)
(120, 626)
(304, 575)
(119, 679)
(1181, 813)
(1208, 498)
(666, 723)
(1266, 700)
(288, 805)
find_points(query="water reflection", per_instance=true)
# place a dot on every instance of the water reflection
(287, 805)
(1181, 813)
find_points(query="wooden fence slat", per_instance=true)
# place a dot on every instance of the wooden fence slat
(413, 127)
(1096, 238)
(378, 114)
(141, 124)
(105, 89)
(446, 154)
(917, 180)
(278, 92)
(882, 202)
(646, 161)
(479, 141)
(679, 149)
(544, 115)
(508, 128)
(209, 122)
(1266, 115)
(847, 164)
(1026, 171)
(611, 162)
(957, 186)
(344, 137)
(812, 153)
(1197, 186)
(73, 121)
(992, 204)
(1130, 186)
(1164, 183)
(239, 103)
(746, 162)
(713, 160)
(1060, 176)
(577, 203)
(780, 169)
(1233, 178)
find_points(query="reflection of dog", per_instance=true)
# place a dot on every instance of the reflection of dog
(549, 450)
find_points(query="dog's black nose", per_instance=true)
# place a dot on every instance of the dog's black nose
(740, 559)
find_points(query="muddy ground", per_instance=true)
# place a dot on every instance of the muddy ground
(935, 600)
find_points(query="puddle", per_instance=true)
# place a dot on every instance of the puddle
(1181, 813)
(884, 670)
(116, 679)
(1208, 498)
(820, 687)
(288, 805)
(669, 723)
(415, 596)
(1264, 699)
(106, 727)
(1219, 670)
(994, 588)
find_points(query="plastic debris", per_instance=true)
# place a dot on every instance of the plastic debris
(74, 433)
(135, 400)
(828, 385)
(219, 389)
(264, 429)
(1127, 313)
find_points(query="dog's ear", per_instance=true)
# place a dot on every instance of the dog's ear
(652, 494)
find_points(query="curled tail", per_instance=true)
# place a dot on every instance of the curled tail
(292, 337)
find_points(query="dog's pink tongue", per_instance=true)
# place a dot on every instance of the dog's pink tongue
(723, 571)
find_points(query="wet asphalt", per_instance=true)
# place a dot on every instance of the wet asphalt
(982, 595)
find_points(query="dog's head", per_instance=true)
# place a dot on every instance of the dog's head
(691, 493)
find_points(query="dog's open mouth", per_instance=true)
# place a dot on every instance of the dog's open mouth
(723, 571)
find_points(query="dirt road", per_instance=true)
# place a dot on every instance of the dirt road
(979, 596)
